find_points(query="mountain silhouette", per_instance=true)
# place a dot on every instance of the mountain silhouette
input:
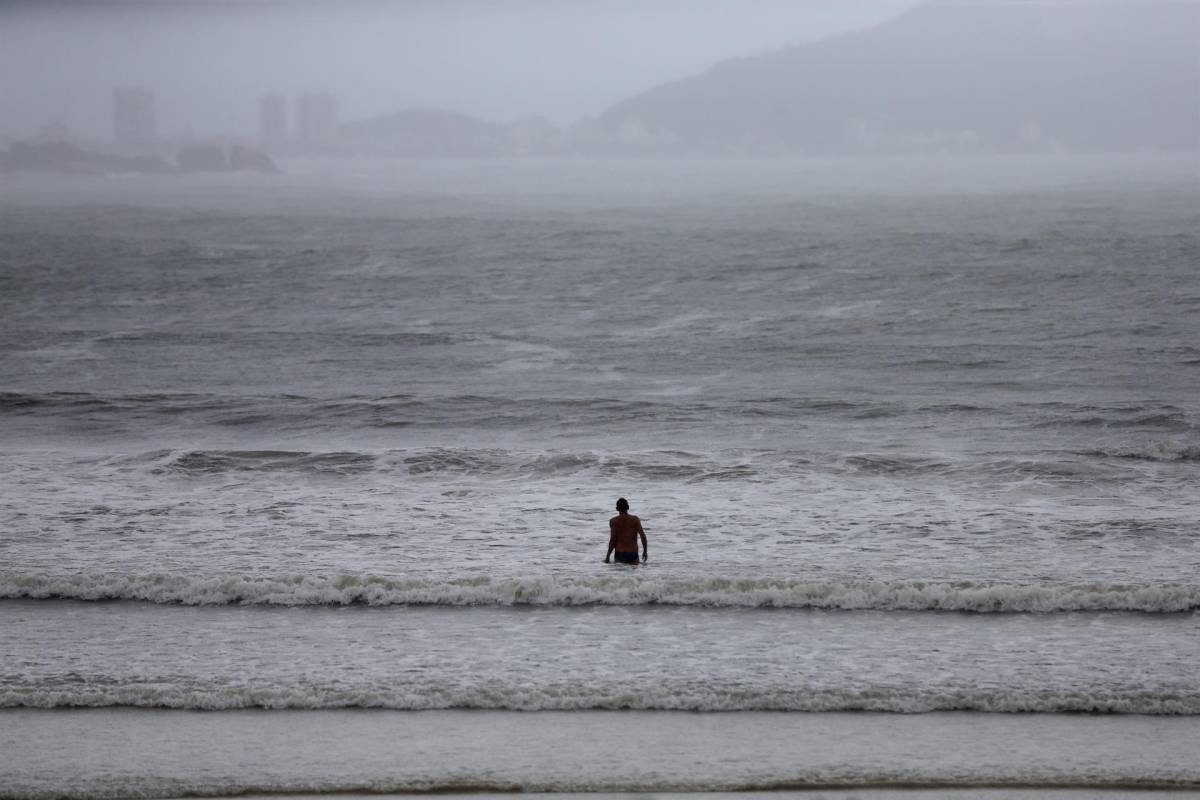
(942, 77)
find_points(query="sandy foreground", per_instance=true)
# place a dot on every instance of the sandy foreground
(79, 753)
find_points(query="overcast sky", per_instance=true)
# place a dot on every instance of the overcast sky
(209, 61)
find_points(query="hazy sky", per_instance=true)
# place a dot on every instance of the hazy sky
(209, 60)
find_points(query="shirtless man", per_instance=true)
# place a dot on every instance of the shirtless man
(623, 532)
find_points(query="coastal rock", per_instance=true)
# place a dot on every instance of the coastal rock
(149, 164)
(202, 158)
(66, 158)
(243, 158)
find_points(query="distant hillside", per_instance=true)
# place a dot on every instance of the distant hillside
(435, 132)
(425, 131)
(971, 77)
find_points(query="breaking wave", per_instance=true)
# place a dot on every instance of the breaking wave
(852, 594)
(200, 461)
(293, 412)
(1159, 451)
(828, 779)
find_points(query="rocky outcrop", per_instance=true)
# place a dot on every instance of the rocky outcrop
(202, 158)
(243, 158)
(66, 158)
(212, 158)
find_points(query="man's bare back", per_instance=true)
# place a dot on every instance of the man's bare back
(624, 530)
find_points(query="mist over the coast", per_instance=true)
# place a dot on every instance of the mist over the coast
(539, 78)
(209, 62)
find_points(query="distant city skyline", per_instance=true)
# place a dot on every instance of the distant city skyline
(209, 64)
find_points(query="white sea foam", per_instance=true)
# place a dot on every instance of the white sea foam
(896, 595)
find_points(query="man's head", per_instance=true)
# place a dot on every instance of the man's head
(622, 505)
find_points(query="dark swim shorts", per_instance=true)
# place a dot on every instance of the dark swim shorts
(627, 558)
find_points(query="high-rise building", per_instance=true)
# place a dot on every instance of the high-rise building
(133, 118)
(317, 118)
(272, 118)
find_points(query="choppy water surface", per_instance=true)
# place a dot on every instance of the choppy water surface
(902, 439)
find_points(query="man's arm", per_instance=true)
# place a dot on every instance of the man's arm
(645, 547)
(612, 540)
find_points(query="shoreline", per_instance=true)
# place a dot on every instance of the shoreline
(83, 754)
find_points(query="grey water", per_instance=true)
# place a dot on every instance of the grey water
(906, 436)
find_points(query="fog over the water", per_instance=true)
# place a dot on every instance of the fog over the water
(209, 62)
(331, 332)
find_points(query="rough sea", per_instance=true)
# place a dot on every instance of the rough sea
(304, 480)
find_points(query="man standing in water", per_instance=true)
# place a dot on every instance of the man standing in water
(623, 532)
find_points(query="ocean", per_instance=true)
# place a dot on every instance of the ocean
(304, 479)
